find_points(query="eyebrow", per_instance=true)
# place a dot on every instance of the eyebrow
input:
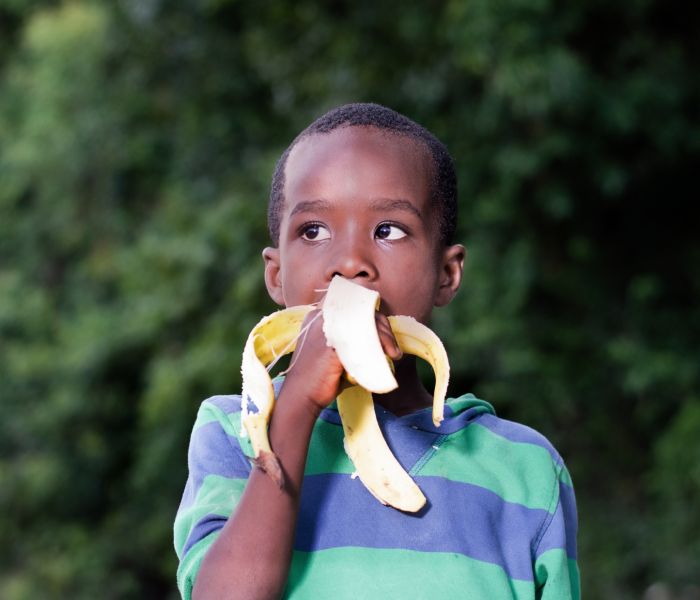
(395, 204)
(310, 206)
(381, 204)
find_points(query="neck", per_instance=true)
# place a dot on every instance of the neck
(410, 396)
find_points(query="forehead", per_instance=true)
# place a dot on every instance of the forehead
(361, 163)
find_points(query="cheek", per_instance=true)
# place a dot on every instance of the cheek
(423, 292)
(298, 286)
(411, 295)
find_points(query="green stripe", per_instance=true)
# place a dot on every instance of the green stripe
(365, 574)
(469, 402)
(216, 496)
(516, 471)
(230, 423)
(565, 477)
(189, 566)
(559, 575)
(208, 413)
(326, 451)
(574, 579)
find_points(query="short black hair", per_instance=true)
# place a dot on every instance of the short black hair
(444, 184)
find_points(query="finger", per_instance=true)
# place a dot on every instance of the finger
(386, 337)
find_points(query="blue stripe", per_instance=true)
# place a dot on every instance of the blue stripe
(561, 533)
(422, 419)
(202, 529)
(503, 533)
(212, 452)
(516, 432)
(452, 423)
(189, 496)
(228, 404)
(460, 518)
(407, 444)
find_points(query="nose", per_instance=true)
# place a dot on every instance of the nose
(352, 259)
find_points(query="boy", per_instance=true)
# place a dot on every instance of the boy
(366, 193)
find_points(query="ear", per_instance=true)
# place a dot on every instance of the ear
(451, 268)
(273, 275)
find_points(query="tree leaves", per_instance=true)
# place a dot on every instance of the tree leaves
(137, 144)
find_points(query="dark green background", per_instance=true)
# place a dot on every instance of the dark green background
(137, 140)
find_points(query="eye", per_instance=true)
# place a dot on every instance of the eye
(314, 232)
(388, 231)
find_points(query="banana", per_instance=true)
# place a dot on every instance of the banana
(349, 327)
(348, 322)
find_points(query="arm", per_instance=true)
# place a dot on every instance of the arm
(252, 554)
(556, 569)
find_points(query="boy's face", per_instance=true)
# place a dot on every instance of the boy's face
(357, 203)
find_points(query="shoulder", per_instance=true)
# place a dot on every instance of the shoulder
(511, 460)
(217, 428)
(525, 469)
(221, 403)
(519, 436)
(223, 410)
(473, 417)
(524, 450)
(218, 423)
(528, 456)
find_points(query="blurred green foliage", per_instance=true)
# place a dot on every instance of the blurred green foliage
(137, 139)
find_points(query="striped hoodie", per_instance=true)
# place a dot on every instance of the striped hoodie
(500, 521)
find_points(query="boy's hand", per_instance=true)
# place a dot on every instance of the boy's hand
(315, 373)
(386, 337)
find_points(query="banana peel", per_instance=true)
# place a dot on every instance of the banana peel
(349, 327)
(374, 462)
(273, 337)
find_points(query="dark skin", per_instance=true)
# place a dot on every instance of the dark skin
(357, 204)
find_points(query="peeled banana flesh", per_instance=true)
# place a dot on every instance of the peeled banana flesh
(349, 327)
